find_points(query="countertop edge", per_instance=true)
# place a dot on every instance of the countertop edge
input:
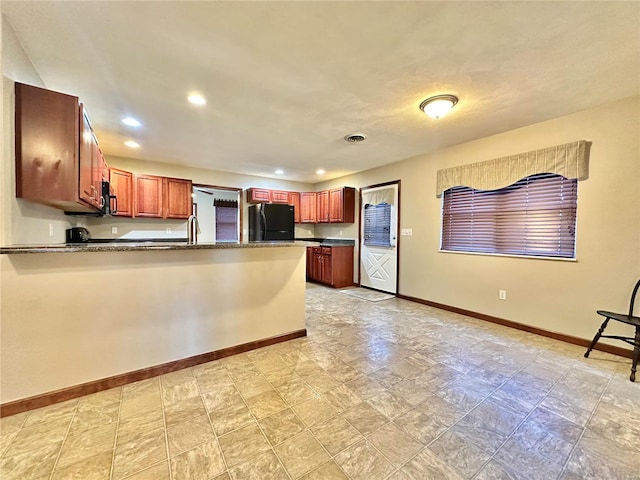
(141, 247)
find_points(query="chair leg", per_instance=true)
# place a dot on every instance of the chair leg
(596, 338)
(636, 356)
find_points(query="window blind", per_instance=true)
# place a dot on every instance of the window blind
(535, 216)
(377, 225)
(226, 220)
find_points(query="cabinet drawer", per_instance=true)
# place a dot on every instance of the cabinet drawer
(258, 195)
(326, 250)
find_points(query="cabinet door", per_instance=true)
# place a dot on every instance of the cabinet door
(258, 195)
(87, 187)
(308, 207)
(294, 199)
(147, 200)
(341, 266)
(177, 198)
(279, 196)
(322, 207)
(342, 205)
(309, 263)
(327, 270)
(121, 183)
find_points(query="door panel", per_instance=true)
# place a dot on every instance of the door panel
(379, 264)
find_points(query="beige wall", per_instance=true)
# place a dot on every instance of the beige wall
(70, 318)
(559, 296)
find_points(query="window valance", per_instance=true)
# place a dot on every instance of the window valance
(569, 160)
(378, 195)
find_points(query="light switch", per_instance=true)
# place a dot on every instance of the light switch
(114, 230)
(407, 232)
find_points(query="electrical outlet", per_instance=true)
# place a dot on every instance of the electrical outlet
(502, 294)
(340, 232)
(407, 232)
(114, 230)
(51, 230)
(168, 231)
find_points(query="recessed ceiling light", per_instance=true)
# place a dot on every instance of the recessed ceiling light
(132, 144)
(438, 106)
(320, 171)
(279, 172)
(197, 99)
(131, 122)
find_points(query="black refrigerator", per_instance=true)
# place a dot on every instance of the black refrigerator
(271, 221)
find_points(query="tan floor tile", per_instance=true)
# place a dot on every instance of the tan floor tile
(96, 467)
(210, 381)
(336, 434)
(87, 444)
(100, 399)
(460, 453)
(295, 391)
(179, 392)
(321, 382)
(243, 444)
(32, 464)
(420, 426)
(265, 466)
(363, 462)
(53, 413)
(179, 377)
(281, 426)
(140, 404)
(399, 475)
(528, 464)
(301, 453)
(224, 476)
(134, 456)
(366, 387)
(343, 372)
(230, 418)
(184, 410)
(314, 411)
(365, 418)
(38, 436)
(265, 404)
(221, 396)
(253, 386)
(341, 398)
(142, 388)
(90, 416)
(395, 444)
(389, 405)
(131, 428)
(200, 463)
(328, 471)
(160, 471)
(427, 465)
(187, 435)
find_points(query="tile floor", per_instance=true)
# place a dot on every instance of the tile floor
(387, 390)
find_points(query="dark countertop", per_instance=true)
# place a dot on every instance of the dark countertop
(137, 246)
(328, 242)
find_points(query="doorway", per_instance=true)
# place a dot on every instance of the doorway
(379, 226)
(219, 212)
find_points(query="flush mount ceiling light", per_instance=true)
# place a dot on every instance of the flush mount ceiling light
(279, 171)
(132, 144)
(438, 106)
(197, 99)
(355, 137)
(131, 122)
(320, 171)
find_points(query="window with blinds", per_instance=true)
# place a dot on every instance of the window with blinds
(535, 216)
(226, 220)
(377, 225)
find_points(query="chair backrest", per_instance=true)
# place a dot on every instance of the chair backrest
(633, 298)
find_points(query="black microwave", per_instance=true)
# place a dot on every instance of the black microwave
(109, 204)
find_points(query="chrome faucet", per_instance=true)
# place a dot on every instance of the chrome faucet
(193, 229)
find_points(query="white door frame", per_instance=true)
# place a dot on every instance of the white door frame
(360, 225)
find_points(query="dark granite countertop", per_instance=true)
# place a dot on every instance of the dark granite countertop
(137, 246)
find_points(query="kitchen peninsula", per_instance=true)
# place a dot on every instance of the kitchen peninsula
(79, 318)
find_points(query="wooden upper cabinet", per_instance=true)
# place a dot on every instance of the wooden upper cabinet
(294, 199)
(258, 195)
(147, 196)
(279, 196)
(177, 198)
(121, 183)
(322, 206)
(47, 146)
(342, 202)
(308, 207)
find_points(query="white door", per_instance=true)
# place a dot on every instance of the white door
(379, 237)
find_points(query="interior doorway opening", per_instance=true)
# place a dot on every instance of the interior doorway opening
(219, 213)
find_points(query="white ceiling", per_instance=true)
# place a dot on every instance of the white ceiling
(286, 81)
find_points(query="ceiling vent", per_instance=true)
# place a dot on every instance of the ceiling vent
(355, 137)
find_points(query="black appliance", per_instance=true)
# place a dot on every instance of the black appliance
(78, 235)
(271, 221)
(109, 204)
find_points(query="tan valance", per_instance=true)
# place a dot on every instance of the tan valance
(569, 160)
(378, 195)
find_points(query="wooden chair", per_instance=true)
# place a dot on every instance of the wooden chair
(629, 319)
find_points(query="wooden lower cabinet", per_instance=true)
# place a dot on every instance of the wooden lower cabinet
(331, 266)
